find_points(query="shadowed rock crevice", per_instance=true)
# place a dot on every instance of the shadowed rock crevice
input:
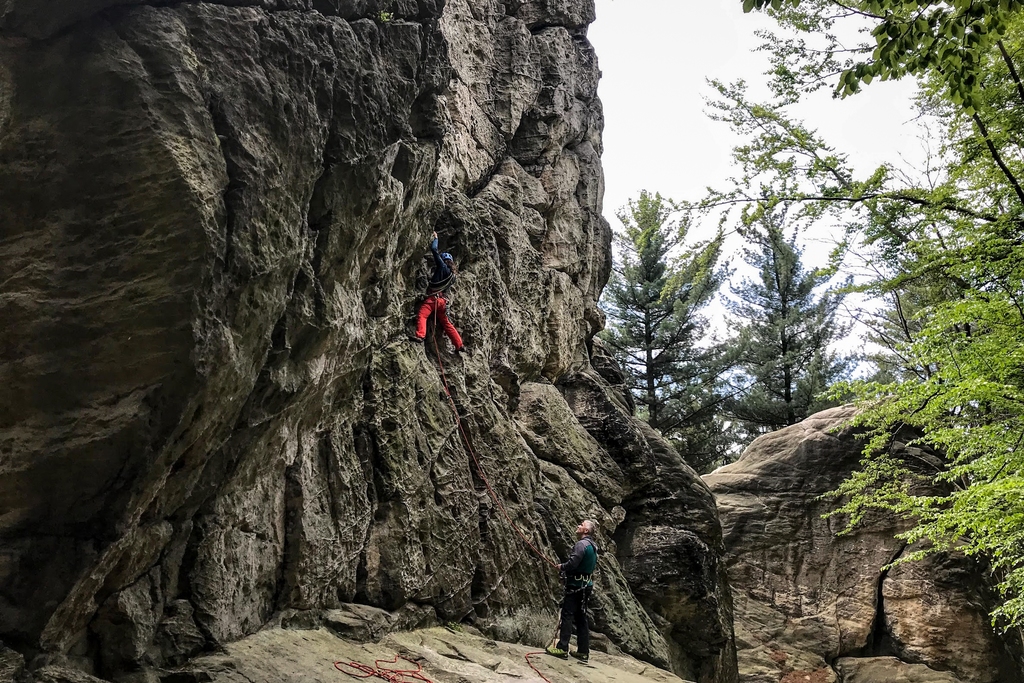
(879, 642)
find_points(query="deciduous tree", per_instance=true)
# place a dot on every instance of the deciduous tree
(950, 242)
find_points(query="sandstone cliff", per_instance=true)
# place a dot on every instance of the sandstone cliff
(813, 606)
(213, 217)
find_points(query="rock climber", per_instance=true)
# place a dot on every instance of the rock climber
(437, 300)
(579, 585)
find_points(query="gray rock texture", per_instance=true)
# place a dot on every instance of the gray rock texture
(12, 665)
(214, 219)
(888, 670)
(443, 655)
(814, 606)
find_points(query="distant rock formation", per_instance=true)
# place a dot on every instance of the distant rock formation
(811, 606)
(214, 217)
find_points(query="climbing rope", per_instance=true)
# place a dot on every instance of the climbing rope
(535, 669)
(385, 673)
(490, 489)
(541, 652)
(476, 461)
(359, 670)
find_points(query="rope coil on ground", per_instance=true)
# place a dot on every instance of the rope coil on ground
(384, 673)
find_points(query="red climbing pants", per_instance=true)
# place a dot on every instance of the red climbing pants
(435, 305)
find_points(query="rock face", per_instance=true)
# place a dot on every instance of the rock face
(214, 217)
(814, 606)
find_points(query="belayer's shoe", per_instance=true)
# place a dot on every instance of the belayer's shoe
(582, 656)
(557, 652)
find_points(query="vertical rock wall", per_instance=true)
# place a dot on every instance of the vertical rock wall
(213, 217)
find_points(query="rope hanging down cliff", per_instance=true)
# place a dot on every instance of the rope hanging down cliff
(476, 461)
(494, 496)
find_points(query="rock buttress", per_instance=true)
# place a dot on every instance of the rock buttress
(214, 217)
(813, 605)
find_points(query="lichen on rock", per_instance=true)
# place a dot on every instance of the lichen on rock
(215, 220)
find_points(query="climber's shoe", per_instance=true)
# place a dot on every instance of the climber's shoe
(462, 351)
(415, 340)
(582, 656)
(557, 652)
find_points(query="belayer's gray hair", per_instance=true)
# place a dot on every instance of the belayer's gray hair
(590, 525)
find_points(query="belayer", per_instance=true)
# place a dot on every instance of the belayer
(579, 586)
(437, 300)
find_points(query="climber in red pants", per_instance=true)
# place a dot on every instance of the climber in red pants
(437, 300)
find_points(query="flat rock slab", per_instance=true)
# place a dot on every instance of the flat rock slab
(282, 656)
(889, 670)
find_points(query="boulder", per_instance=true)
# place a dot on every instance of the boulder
(806, 598)
(888, 670)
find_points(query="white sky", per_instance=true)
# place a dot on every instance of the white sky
(656, 55)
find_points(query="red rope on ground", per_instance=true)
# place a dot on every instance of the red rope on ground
(531, 654)
(479, 468)
(385, 673)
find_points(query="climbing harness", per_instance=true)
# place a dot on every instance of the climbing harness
(442, 286)
(385, 673)
(586, 580)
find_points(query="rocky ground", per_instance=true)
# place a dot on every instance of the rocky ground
(440, 655)
(445, 656)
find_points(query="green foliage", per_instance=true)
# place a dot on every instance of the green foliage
(948, 40)
(787, 325)
(386, 17)
(658, 288)
(941, 253)
(970, 406)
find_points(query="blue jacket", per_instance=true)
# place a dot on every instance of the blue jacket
(443, 277)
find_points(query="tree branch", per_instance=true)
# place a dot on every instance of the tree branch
(946, 205)
(998, 158)
(1012, 68)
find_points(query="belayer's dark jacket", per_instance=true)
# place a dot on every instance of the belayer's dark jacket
(579, 568)
(443, 277)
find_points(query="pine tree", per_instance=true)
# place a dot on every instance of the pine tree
(654, 300)
(786, 328)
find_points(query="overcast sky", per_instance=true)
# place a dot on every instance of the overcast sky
(656, 55)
